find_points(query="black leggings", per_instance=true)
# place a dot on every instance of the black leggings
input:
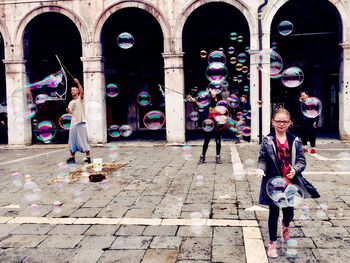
(308, 133)
(207, 137)
(274, 211)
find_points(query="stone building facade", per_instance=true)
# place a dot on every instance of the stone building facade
(90, 17)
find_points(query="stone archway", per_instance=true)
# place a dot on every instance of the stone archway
(314, 47)
(73, 17)
(151, 9)
(209, 28)
(137, 71)
(44, 37)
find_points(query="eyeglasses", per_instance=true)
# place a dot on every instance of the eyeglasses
(282, 122)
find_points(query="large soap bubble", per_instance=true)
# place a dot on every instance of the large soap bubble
(125, 40)
(292, 77)
(311, 107)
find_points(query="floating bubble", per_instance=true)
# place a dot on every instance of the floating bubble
(239, 115)
(240, 78)
(32, 196)
(231, 50)
(203, 99)
(104, 184)
(208, 125)
(63, 166)
(144, 98)
(240, 125)
(231, 124)
(154, 120)
(113, 152)
(112, 90)
(242, 57)
(187, 152)
(215, 87)
(239, 67)
(41, 98)
(233, 36)
(31, 111)
(125, 40)
(35, 209)
(233, 101)
(240, 39)
(274, 45)
(225, 84)
(126, 130)
(64, 121)
(285, 28)
(249, 115)
(245, 69)
(311, 107)
(233, 60)
(45, 131)
(290, 248)
(194, 116)
(16, 179)
(276, 64)
(305, 209)
(198, 222)
(77, 196)
(292, 77)
(283, 193)
(220, 119)
(222, 103)
(216, 73)
(217, 57)
(221, 49)
(93, 110)
(114, 131)
(247, 49)
(203, 54)
(246, 88)
(57, 207)
(248, 76)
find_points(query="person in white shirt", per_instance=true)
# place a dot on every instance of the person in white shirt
(78, 140)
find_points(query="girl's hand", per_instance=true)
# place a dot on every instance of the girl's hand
(259, 173)
(291, 173)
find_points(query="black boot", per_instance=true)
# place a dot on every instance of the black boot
(218, 159)
(201, 159)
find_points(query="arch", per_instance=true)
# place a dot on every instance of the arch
(5, 35)
(273, 9)
(78, 22)
(188, 10)
(102, 18)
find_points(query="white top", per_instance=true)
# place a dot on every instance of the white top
(76, 107)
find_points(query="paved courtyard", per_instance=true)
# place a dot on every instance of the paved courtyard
(163, 207)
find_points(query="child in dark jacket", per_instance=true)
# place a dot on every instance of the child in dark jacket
(281, 154)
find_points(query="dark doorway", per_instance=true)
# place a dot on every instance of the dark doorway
(209, 28)
(47, 35)
(3, 101)
(135, 70)
(313, 46)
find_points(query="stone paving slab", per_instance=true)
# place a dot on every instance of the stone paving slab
(165, 199)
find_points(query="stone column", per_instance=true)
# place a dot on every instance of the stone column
(95, 98)
(266, 84)
(174, 101)
(254, 86)
(344, 94)
(260, 61)
(19, 127)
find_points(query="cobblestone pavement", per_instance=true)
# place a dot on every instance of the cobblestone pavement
(163, 207)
